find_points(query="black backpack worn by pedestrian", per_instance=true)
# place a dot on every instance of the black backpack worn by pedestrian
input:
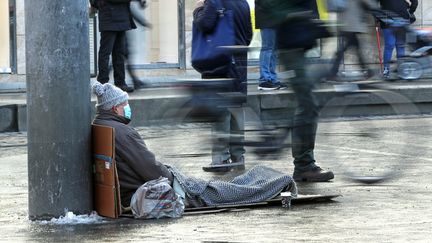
(296, 22)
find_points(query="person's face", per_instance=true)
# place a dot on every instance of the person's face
(119, 109)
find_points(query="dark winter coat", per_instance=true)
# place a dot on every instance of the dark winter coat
(206, 17)
(294, 22)
(114, 15)
(135, 163)
(265, 11)
(400, 7)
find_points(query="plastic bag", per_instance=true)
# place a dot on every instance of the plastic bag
(156, 199)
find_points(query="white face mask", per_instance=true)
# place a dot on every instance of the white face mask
(127, 111)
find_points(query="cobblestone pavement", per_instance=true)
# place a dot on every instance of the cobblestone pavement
(393, 211)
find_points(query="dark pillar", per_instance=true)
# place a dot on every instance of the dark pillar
(58, 103)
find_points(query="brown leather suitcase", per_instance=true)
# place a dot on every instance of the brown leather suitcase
(106, 185)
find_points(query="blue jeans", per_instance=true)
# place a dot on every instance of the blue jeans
(393, 37)
(267, 56)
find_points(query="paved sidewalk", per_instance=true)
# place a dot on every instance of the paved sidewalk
(394, 211)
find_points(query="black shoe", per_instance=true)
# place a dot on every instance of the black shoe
(125, 88)
(314, 175)
(224, 166)
(267, 85)
(138, 84)
(238, 163)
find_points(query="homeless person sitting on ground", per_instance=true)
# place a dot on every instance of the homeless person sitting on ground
(136, 166)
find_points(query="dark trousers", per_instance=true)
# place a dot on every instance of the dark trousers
(305, 121)
(228, 132)
(350, 40)
(112, 43)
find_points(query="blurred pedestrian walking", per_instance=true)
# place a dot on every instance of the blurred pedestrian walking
(353, 22)
(395, 37)
(227, 150)
(268, 54)
(297, 32)
(137, 16)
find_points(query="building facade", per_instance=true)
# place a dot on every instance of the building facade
(157, 53)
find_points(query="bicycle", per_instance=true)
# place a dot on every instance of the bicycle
(344, 138)
(370, 143)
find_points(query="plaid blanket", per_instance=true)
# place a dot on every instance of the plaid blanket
(256, 185)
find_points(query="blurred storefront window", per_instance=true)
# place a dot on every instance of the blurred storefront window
(157, 46)
(5, 46)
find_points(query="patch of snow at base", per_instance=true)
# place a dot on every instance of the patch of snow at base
(71, 219)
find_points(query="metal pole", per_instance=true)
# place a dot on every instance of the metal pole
(58, 107)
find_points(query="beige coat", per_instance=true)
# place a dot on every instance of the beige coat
(354, 18)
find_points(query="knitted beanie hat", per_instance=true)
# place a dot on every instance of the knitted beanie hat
(108, 95)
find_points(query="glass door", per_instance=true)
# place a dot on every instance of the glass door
(155, 43)
(5, 57)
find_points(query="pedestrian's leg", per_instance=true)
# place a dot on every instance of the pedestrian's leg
(105, 49)
(306, 113)
(138, 84)
(268, 78)
(339, 55)
(273, 58)
(237, 150)
(305, 120)
(118, 58)
(238, 72)
(265, 54)
(356, 43)
(389, 42)
(220, 137)
(400, 34)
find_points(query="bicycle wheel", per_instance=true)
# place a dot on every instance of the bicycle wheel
(367, 142)
(409, 69)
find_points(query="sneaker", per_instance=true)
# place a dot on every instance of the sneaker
(125, 88)
(267, 85)
(386, 73)
(314, 175)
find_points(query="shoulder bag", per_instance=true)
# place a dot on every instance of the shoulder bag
(207, 55)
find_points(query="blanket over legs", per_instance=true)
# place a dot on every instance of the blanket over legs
(256, 185)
